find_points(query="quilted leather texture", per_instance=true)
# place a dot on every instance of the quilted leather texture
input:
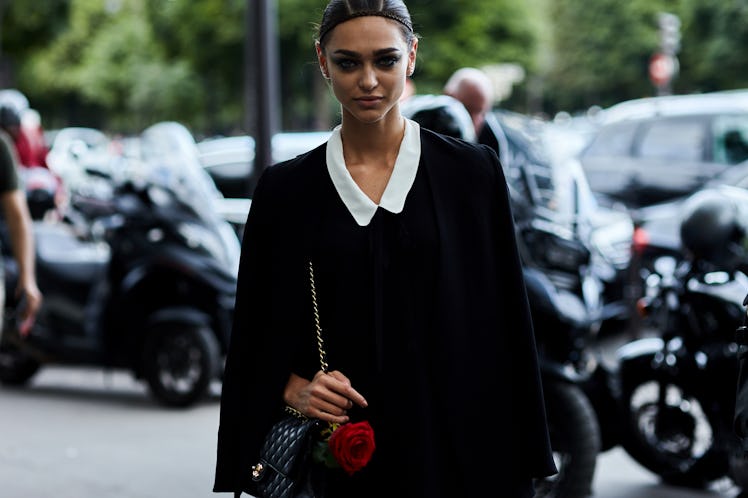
(284, 457)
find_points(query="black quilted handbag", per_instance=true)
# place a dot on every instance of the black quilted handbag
(285, 469)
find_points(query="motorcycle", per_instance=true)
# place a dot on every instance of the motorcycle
(678, 386)
(578, 389)
(143, 280)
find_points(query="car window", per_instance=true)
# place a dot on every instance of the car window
(730, 139)
(680, 139)
(612, 140)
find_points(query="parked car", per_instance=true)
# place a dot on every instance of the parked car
(655, 149)
(230, 160)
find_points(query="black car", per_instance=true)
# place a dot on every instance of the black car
(655, 149)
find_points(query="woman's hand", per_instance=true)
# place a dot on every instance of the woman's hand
(327, 397)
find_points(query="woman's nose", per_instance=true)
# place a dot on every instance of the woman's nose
(368, 79)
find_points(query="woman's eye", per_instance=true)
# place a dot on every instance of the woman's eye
(345, 63)
(388, 61)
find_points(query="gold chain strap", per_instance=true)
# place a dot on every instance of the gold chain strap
(320, 342)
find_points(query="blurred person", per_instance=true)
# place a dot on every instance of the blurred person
(422, 303)
(474, 89)
(17, 222)
(24, 128)
(10, 118)
(33, 131)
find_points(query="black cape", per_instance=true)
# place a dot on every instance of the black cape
(464, 390)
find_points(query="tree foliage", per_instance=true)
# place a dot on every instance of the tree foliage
(471, 33)
(713, 55)
(601, 51)
(124, 64)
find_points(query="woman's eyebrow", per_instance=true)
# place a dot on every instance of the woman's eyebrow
(352, 53)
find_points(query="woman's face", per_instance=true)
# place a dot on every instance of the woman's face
(367, 60)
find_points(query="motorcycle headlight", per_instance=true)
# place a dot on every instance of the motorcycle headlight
(200, 238)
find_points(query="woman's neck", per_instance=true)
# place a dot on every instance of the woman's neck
(370, 151)
(380, 139)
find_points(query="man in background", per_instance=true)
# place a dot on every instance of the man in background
(474, 89)
(17, 221)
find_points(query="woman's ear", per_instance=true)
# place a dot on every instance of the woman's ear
(322, 60)
(412, 58)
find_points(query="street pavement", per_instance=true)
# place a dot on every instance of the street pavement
(85, 433)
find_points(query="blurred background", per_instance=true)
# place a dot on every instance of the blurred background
(121, 65)
(622, 129)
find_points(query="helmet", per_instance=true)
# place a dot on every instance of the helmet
(9, 116)
(440, 113)
(713, 228)
(41, 188)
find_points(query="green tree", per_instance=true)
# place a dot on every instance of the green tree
(107, 60)
(127, 63)
(453, 34)
(713, 56)
(471, 33)
(26, 30)
(207, 38)
(601, 52)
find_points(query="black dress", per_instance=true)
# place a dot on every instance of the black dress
(375, 285)
(423, 310)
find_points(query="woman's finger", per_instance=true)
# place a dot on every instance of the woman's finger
(342, 386)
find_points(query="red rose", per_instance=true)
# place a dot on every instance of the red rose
(352, 445)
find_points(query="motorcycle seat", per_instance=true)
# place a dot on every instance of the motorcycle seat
(63, 255)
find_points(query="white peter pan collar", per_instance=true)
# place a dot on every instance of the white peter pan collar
(361, 207)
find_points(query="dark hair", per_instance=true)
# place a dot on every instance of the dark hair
(9, 116)
(338, 11)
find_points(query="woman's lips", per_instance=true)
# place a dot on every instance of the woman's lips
(369, 101)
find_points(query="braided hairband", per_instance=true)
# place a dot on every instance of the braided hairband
(363, 13)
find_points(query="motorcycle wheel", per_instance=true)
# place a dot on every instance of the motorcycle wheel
(739, 469)
(16, 367)
(179, 363)
(678, 443)
(575, 440)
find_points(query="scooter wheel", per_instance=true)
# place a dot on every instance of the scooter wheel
(179, 362)
(16, 367)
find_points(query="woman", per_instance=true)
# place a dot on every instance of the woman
(418, 282)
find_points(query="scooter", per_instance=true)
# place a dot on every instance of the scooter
(144, 280)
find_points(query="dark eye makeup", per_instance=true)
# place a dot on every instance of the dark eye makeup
(349, 63)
